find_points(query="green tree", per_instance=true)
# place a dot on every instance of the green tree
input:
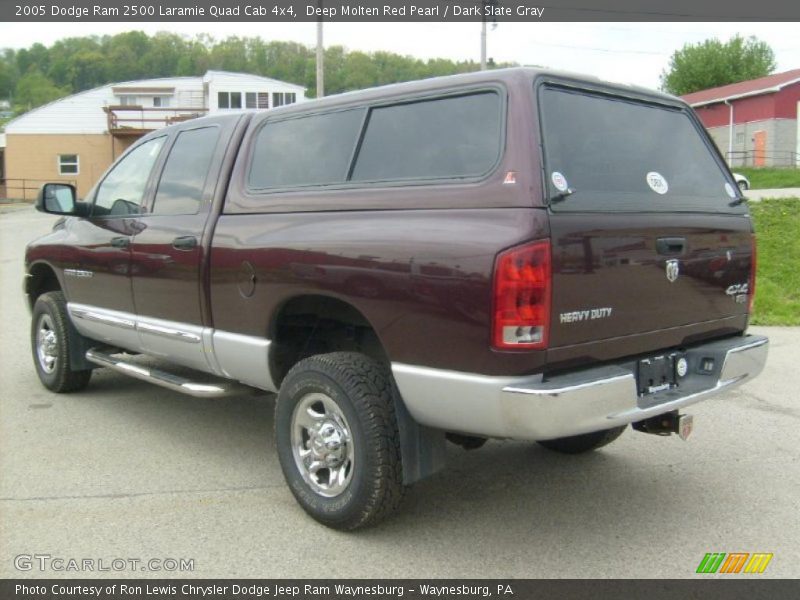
(82, 63)
(713, 63)
(35, 89)
(7, 77)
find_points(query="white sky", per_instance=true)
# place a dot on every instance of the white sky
(625, 52)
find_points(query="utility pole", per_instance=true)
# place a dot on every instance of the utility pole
(485, 6)
(320, 57)
(483, 42)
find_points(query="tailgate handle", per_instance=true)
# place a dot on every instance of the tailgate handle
(671, 245)
(186, 242)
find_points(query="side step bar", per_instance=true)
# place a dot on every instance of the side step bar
(104, 358)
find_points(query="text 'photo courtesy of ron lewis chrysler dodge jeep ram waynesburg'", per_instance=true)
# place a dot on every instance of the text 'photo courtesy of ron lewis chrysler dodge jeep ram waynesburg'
(518, 254)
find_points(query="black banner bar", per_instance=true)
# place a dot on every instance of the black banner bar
(453, 11)
(750, 587)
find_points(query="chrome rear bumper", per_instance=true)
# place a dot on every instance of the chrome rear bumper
(532, 408)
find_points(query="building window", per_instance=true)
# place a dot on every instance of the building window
(281, 98)
(256, 100)
(160, 101)
(229, 100)
(68, 164)
(740, 138)
(127, 100)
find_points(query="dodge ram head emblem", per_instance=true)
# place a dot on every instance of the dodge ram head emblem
(672, 269)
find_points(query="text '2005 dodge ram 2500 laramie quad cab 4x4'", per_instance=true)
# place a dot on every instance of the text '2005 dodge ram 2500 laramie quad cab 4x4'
(508, 254)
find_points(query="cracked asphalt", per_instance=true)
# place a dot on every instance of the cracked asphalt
(128, 470)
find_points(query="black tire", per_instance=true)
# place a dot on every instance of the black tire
(742, 185)
(578, 444)
(53, 365)
(363, 391)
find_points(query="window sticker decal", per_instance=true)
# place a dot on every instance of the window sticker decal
(657, 183)
(559, 181)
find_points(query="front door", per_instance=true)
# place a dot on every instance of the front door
(760, 147)
(97, 261)
(167, 253)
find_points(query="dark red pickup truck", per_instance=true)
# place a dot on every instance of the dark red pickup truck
(509, 254)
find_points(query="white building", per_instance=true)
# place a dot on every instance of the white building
(76, 138)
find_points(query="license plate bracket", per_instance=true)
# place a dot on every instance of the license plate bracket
(655, 374)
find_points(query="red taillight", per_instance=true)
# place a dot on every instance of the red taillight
(522, 279)
(751, 282)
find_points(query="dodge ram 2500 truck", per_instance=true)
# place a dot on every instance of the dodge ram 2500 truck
(508, 254)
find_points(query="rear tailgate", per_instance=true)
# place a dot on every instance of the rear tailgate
(648, 233)
(610, 279)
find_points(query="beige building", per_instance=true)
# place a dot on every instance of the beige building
(75, 139)
(80, 159)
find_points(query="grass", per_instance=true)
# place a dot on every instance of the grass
(764, 178)
(777, 225)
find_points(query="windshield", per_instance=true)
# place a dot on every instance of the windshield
(615, 154)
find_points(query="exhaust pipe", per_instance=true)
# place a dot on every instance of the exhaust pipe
(667, 424)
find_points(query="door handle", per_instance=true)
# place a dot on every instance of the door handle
(121, 242)
(184, 242)
(671, 246)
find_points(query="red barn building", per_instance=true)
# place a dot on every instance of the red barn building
(754, 123)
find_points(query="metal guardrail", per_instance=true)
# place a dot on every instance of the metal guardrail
(751, 158)
(25, 190)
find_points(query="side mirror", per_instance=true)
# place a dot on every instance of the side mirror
(57, 199)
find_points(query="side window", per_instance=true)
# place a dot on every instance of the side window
(312, 150)
(122, 191)
(180, 190)
(450, 137)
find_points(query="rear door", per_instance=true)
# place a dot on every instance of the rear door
(168, 251)
(648, 233)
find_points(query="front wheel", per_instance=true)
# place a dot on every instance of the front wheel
(742, 185)
(578, 444)
(337, 439)
(52, 341)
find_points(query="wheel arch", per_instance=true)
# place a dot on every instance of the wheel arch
(41, 277)
(312, 323)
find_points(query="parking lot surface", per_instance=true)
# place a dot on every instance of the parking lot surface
(128, 470)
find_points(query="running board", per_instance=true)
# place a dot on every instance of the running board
(103, 357)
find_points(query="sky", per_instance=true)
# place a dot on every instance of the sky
(635, 53)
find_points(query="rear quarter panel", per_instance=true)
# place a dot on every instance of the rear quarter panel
(421, 278)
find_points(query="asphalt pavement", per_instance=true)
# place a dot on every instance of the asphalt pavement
(126, 470)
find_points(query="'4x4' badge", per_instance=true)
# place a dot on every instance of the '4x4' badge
(673, 269)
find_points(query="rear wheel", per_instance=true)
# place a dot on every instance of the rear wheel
(742, 185)
(578, 444)
(52, 341)
(337, 439)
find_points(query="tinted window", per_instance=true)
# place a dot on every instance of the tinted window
(311, 150)
(122, 190)
(180, 190)
(617, 154)
(443, 138)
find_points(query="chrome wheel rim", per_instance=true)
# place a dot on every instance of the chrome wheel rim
(322, 444)
(46, 344)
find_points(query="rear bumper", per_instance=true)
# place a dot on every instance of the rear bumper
(533, 408)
